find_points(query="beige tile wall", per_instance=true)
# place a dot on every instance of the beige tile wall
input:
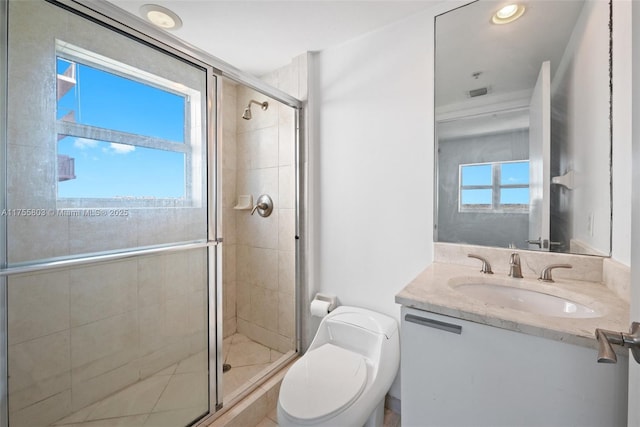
(78, 335)
(264, 248)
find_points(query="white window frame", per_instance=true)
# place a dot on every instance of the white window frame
(495, 187)
(191, 147)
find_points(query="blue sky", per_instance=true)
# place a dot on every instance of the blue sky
(105, 169)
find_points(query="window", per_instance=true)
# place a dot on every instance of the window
(125, 136)
(494, 187)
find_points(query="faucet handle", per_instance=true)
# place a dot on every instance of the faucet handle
(545, 275)
(515, 269)
(486, 267)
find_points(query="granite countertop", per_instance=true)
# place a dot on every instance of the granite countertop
(434, 290)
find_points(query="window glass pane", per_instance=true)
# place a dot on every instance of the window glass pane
(476, 197)
(89, 96)
(514, 173)
(88, 168)
(476, 174)
(514, 196)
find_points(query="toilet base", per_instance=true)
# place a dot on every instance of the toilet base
(376, 419)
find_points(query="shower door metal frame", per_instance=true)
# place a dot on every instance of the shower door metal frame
(105, 13)
(211, 244)
(4, 85)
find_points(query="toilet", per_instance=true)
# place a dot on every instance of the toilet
(343, 378)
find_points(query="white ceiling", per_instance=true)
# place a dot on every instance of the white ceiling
(507, 56)
(260, 36)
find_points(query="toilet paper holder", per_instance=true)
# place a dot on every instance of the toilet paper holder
(331, 299)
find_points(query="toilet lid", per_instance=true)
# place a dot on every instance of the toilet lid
(323, 381)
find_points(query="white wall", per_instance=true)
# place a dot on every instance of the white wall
(372, 163)
(371, 166)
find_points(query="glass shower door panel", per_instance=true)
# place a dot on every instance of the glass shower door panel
(106, 140)
(119, 343)
(106, 154)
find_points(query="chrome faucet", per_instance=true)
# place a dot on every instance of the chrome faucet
(486, 267)
(515, 269)
(545, 275)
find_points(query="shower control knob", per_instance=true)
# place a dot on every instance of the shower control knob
(264, 206)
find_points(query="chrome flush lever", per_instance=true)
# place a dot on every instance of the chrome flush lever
(629, 340)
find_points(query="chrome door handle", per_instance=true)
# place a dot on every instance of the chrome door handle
(543, 243)
(629, 340)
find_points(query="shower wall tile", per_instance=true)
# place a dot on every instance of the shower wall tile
(265, 258)
(286, 230)
(43, 359)
(171, 352)
(41, 390)
(257, 182)
(229, 232)
(97, 388)
(286, 316)
(229, 295)
(197, 312)
(264, 304)
(243, 294)
(229, 260)
(229, 193)
(286, 272)
(44, 412)
(103, 339)
(101, 291)
(257, 231)
(259, 266)
(151, 278)
(258, 148)
(38, 305)
(229, 326)
(229, 149)
(286, 187)
(286, 137)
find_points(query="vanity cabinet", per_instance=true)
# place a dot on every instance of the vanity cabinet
(461, 373)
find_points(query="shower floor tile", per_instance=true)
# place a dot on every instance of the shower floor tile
(168, 398)
(247, 358)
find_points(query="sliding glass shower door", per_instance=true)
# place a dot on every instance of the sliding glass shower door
(107, 208)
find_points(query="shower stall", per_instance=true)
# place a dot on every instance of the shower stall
(141, 281)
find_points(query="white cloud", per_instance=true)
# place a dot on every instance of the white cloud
(83, 143)
(121, 148)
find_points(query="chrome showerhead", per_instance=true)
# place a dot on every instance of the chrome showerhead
(247, 111)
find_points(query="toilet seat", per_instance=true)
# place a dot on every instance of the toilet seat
(323, 382)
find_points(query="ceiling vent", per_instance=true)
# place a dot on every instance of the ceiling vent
(478, 92)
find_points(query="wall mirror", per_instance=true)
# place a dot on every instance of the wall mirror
(523, 125)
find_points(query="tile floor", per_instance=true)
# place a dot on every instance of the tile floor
(247, 359)
(175, 396)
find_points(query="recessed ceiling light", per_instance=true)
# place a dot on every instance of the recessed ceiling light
(508, 13)
(161, 16)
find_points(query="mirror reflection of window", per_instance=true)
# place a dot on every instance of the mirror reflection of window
(494, 187)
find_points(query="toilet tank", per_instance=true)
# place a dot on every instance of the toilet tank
(357, 329)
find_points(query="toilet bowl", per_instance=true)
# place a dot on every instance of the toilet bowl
(344, 376)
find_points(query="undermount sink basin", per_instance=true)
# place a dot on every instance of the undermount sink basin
(526, 300)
